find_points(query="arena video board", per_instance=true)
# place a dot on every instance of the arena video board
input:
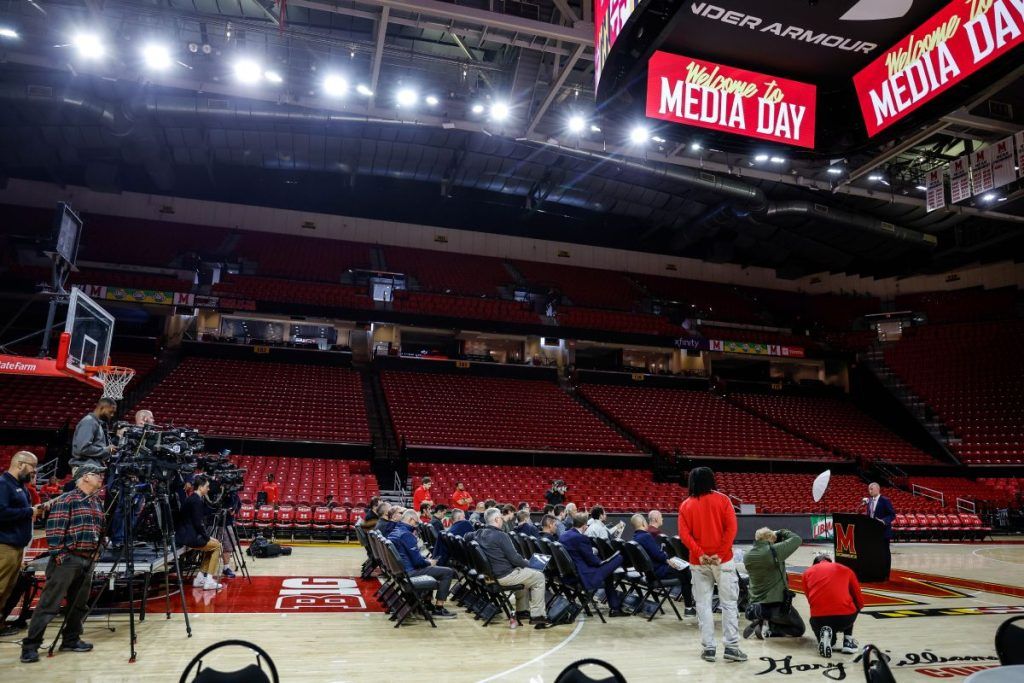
(609, 18)
(954, 43)
(696, 92)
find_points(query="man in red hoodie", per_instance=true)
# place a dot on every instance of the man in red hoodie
(833, 593)
(422, 495)
(707, 527)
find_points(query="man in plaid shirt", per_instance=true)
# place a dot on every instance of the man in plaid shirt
(73, 533)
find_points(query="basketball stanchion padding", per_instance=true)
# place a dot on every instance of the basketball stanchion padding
(114, 377)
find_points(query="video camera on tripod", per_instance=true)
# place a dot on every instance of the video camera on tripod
(160, 455)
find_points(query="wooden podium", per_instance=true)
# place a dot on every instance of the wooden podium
(860, 544)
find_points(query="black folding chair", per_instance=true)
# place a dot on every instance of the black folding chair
(876, 669)
(496, 594)
(1010, 641)
(253, 673)
(570, 582)
(647, 580)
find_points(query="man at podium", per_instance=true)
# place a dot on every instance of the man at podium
(880, 507)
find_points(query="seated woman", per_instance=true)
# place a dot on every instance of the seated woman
(191, 533)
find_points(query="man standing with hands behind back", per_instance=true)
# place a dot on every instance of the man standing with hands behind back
(16, 517)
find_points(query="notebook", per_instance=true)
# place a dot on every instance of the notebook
(539, 562)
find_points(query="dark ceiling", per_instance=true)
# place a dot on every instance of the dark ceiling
(110, 125)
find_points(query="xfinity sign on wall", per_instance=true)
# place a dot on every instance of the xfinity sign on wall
(957, 41)
(708, 95)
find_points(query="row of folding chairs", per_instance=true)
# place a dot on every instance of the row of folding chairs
(403, 596)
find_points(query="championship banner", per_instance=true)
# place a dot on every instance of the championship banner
(755, 349)
(609, 18)
(935, 190)
(981, 171)
(1003, 171)
(959, 180)
(694, 92)
(140, 296)
(821, 527)
(956, 42)
(745, 347)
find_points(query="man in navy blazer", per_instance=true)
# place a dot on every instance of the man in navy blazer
(659, 559)
(879, 507)
(524, 525)
(460, 527)
(593, 572)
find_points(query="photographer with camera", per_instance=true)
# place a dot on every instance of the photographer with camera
(556, 494)
(191, 532)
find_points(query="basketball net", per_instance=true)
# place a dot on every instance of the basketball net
(114, 377)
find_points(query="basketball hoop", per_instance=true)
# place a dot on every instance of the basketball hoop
(114, 378)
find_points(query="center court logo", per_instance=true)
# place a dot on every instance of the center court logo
(312, 593)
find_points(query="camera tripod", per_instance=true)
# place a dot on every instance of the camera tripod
(224, 529)
(159, 503)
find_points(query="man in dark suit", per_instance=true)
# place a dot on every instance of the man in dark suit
(646, 540)
(524, 525)
(460, 527)
(593, 572)
(880, 507)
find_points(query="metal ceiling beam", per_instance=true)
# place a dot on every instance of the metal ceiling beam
(378, 51)
(563, 7)
(555, 88)
(962, 117)
(466, 33)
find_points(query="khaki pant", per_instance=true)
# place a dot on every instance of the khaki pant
(532, 594)
(10, 565)
(211, 559)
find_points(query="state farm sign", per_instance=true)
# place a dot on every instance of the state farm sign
(708, 95)
(961, 38)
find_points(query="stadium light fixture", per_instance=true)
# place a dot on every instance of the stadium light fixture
(695, 147)
(477, 108)
(273, 77)
(499, 111)
(988, 197)
(364, 90)
(335, 86)
(778, 160)
(761, 157)
(8, 33)
(921, 188)
(406, 97)
(88, 46)
(156, 57)
(432, 100)
(639, 135)
(660, 141)
(594, 129)
(576, 124)
(834, 170)
(247, 71)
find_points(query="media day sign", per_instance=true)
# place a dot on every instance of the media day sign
(959, 40)
(694, 92)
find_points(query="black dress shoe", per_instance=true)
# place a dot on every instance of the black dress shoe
(618, 613)
(29, 656)
(11, 628)
(77, 646)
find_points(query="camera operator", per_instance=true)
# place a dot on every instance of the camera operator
(556, 494)
(191, 533)
(90, 445)
(73, 533)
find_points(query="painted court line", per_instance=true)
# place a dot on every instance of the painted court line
(539, 657)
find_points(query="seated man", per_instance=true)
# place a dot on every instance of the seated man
(659, 559)
(549, 527)
(386, 525)
(524, 525)
(654, 524)
(437, 517)
(597, 527)
(771, 614)
(593, 572)
(417, 565)
(835, 598)
(376, 516)
(191, 533)
(460, 527)
(511, 569)
(478, 514)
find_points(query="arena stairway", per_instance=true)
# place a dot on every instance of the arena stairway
(626, 434)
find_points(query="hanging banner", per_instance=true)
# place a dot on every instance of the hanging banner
(609, 18)
(935, 191)
(957, 41)
(694, 92)
(981, 171)
(959, 180)
(142, 296)
(1003, 171)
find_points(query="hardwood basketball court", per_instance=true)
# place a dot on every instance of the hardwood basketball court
(332, 631)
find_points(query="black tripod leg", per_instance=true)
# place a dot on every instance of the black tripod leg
(167, 533)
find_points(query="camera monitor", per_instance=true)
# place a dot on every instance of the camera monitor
(67, 231)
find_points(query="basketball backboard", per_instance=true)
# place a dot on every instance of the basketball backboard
(90, 330)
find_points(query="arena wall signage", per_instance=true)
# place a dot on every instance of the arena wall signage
(609, 18)
(954, 43)
(698, 93)
(755, 349)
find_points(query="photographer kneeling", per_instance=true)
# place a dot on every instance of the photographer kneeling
(771, 610)
(190, 532)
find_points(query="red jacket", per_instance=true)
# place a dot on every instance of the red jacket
(420, 496)
(462, 500)
(271, 489)
(707, 526)
(832, 590)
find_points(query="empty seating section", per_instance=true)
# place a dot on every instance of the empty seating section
(963, 305)
(791, 493)
(953, 488)
(301, 258)
(475, 308)
(110, 278)
(263, 400)
(697, 424)
(441, 271)
(972, 375)
(617, 490)
(636, 323)
(308, 480)
(583, 286)
(7, 452)
(460, 411)
(836, 424)
(111, 239)
(710, 300)
(293, 292)
(49, 403)
(1013, 487)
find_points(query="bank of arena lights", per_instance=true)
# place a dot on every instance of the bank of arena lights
(247, 71)
(335, 85)
(761, 158)
(431, 100)
(576, 124)
(477, 109)
(88, 46)
(364, 90)
(273, 77)
(156, 57)
(406, 97)
(8, 33)
(500, 111)
(639, 135)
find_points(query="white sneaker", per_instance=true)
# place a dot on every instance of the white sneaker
(199, 580)
(825, 642)
(211, 584)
